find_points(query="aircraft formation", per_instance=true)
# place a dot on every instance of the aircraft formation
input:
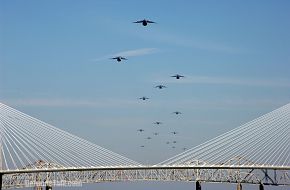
(120, 58)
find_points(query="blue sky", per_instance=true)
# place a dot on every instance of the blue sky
(55, 66)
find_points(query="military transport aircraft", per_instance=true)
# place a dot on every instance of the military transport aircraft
(144, 22)
(177, 76)
(119, 58)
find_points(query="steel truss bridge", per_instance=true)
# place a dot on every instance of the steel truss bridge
(36, 154)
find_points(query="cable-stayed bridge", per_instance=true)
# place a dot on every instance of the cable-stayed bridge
(35, 154)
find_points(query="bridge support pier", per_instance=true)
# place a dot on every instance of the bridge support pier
(239, 186)
(1, 175)
(197, 185)
(48, 187)
(261, 187)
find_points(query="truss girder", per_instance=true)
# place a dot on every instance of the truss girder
(77, 178)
